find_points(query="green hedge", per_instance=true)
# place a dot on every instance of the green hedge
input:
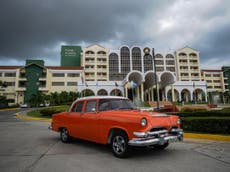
(48, 112)
(205, 114)
(213, 125)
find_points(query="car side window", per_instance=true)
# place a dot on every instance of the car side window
(104, 105)
(91, 106)
(78, 107)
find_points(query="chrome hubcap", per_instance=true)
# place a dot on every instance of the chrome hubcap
(119, 144)
(64, 134)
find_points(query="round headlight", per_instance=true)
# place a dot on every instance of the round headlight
(178, 121)
(143, 122)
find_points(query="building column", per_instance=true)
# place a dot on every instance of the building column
(142, 92)
(158, 93)
(173, 95)
(206, 96)
(126, 91)
(152, 94)
(179, 92)
(166, 95)
(138, 92)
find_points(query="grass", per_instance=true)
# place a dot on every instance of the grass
(36, 113)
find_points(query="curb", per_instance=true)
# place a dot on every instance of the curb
(9, 109)
(28, 118)
(214, 137)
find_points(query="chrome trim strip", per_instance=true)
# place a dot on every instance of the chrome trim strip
(155, 141)
(157, 132)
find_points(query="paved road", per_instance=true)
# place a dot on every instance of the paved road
(29, 146)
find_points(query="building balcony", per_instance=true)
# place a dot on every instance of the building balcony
(183, 70)
(193, 64)
(103, 56)
(183, 57)
(101, 63)
(43, 89)
(184, 77)
(183, 64)
(102, 70)
(22, 79)
(89, 62)
(42, 79)
(89, 55)
(102, 77)
(89, 69)
(20, 89)
(89, 76)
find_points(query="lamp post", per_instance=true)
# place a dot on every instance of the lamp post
(147, 53)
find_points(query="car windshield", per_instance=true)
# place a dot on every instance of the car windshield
(116, 104)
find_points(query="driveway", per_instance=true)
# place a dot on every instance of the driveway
(30, 146)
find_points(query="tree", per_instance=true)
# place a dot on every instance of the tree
(3, 84)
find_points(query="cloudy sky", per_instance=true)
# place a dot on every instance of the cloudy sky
(36, 29)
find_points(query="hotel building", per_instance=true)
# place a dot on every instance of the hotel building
(127, 72)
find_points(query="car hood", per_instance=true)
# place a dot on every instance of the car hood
(156, 119)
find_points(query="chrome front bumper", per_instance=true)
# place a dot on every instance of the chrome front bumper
(50, 127)
(157, 137)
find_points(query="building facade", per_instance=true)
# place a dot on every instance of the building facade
(25, 81)
(95, 62)
(216, 85)
(178, 74)
(127, 72)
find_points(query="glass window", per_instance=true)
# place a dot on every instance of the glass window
(78, 107)
(58, 83)
(115, 104)
(58, 75)
(73, 74)
(71, 83)
(91, 106)
(10, 74)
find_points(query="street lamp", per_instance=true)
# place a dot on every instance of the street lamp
(147, 53)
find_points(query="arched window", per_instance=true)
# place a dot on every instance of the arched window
(136, 58)
(125, 61)
(89, 52)
(113, 67)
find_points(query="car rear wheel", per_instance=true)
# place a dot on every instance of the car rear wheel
(64, 135)
(119, 145)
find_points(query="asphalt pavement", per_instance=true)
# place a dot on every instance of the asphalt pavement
(30, 146)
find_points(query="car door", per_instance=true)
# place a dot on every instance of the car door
(89, 121)
(75, 119)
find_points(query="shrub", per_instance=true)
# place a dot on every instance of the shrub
(213, 113)
(48, 112)
(213, 125)
(192, 109)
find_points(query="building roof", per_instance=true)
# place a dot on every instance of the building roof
(211, 70)
(48, 67)
(65, 67)
(10, 67)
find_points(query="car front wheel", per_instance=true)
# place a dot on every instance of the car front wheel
(119, 145)
(64, 135)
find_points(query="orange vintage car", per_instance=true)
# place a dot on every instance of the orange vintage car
(116, 121)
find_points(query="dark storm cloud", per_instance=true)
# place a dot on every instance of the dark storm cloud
(28, 27)
(38, 28)
(215, 43)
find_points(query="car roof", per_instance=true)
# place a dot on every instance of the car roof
(101, 97)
